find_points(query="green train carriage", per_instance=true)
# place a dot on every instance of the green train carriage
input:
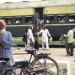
(61, 19)
(19, 16)
(17, 20)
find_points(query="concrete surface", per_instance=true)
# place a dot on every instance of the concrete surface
(59, 54)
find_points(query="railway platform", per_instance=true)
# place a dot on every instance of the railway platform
(66, 63)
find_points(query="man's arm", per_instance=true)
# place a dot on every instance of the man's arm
(67, 35)
(49, 35)
(40, 32)
(8, 41)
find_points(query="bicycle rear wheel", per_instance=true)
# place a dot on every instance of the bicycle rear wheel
(46, 63)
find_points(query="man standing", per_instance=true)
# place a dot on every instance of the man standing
(30, 38)
(5, 45)
(45, 35)
(70, 40)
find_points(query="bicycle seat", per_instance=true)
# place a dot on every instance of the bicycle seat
(44, 55)
(4, 59)
(31, 51)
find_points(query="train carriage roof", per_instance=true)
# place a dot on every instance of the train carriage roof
(35, 4)
(27, 8)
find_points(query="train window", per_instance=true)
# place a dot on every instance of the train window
(18, 20)
(61, 18)
(1, 17)
(71, 18)
(8, 20)
(49, 19)
(28, 19)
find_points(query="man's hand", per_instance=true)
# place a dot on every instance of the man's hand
(2, 43)
(50, 39)
(65, 35)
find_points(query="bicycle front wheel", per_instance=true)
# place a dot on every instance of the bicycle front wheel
(43, 72)
(7, 72)
(46, 63)
(38, 72)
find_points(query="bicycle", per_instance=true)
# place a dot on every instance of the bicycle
(25, 70)
(38, 66)
(43, 61)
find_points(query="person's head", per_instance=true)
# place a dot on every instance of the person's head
(2, 26)
(30, 27)
(44, 27)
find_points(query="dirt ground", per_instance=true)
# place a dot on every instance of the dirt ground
(59, 54)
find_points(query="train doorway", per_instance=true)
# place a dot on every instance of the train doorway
(39, 16)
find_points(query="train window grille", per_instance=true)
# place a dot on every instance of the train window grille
(18, 20)
(8, 21)
(71, 19)
(1, 17)
(61, 19)
(28, 20)
(49, 19)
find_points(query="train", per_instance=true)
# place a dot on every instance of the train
(56, 16)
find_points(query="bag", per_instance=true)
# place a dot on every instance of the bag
(24, 39)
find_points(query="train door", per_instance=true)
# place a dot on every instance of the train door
(39, 16)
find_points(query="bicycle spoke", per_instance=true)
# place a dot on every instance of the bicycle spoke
(47, 64)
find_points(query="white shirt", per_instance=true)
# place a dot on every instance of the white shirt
(70, 36)
(45, 34)
(30, 35)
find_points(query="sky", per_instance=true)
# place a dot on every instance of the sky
(1, 1)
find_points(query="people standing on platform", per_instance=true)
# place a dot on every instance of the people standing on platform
(45, 36)
(30, 38)
(36, 45)
(70, 42)
(5, 45)
(24, 39)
